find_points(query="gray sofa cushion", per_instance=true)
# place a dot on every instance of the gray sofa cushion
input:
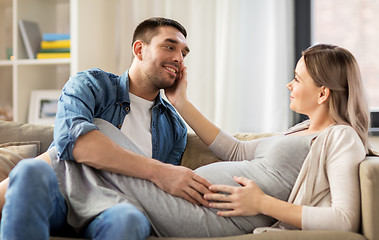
(22, 132)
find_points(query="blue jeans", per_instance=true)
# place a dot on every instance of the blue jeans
(35, 209)
(123, 221)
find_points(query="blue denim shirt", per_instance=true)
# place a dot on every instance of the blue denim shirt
(97, 94)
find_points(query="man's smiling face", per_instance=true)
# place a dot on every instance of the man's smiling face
(162, 58)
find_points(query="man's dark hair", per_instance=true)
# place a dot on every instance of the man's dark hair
(147, 29)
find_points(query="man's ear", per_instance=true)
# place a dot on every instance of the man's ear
(324, 95)
(137, 49)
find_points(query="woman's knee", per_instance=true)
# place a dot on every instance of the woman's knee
(33, 180)
(32, 171)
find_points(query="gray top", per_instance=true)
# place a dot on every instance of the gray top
(275, 166)
(277, 161)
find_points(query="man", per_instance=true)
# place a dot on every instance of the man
(131, 102)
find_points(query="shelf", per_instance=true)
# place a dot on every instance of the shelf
(89, 23)
(6, 15)
(6, 63)
(53, 61)
(25, 62)
(23, 75)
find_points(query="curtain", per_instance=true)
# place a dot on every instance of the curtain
(240, 61)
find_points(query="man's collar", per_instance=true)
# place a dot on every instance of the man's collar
(124, 93)
(123, 90)
(159, 102)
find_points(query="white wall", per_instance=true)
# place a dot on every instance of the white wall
(241, 56)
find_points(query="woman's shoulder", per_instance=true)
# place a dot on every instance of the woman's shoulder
(342, 136)
(341, 130)
(332, 131)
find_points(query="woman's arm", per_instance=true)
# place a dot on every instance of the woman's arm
(3, 190)
(177, 95)
(249, 200)
(225, 146)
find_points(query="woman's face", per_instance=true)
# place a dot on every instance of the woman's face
(304, 92)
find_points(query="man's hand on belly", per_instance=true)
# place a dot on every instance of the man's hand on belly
(182, 182)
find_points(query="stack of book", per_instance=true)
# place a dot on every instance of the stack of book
(54, 45)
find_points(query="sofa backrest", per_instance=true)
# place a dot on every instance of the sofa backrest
(197, 153)
(22, 132)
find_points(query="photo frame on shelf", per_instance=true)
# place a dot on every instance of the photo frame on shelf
(43, 106)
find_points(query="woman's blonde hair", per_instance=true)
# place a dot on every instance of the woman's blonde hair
(336, 68)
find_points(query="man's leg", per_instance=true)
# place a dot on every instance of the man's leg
(123, 221)
(34, 207)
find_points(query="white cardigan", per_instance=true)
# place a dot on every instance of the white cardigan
(328, 182)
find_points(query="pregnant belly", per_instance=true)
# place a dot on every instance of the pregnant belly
(268, 181)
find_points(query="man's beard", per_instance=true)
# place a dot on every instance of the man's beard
(161, 84)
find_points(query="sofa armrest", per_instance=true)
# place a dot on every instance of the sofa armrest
(369, 179)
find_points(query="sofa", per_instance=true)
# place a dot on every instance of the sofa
(20, 141)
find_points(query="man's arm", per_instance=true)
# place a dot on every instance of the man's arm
(86, 95)
(97, 150)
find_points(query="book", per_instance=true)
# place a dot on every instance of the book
(55, 44)
(52, 55)
(55, 36)
(55, 50)
(31, 37)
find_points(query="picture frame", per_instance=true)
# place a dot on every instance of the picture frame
(43, 106)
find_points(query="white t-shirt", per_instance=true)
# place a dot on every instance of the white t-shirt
(137, 123)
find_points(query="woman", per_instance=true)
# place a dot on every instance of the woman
(298, 177)
(328, 89)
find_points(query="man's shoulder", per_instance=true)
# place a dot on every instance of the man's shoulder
(97, 78)
(96, 73)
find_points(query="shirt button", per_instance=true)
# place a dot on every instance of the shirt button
(119, 126)
(127, 109)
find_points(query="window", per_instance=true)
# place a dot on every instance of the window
(352, 24)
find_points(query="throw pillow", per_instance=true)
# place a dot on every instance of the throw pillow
(13, 152)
